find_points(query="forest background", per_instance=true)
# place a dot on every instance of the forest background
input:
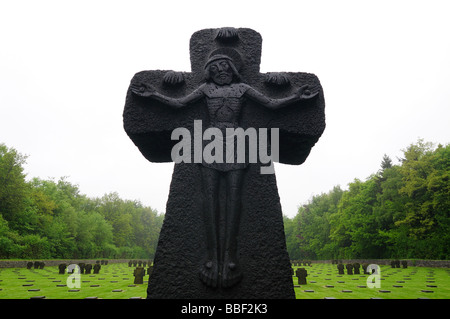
(400, 211)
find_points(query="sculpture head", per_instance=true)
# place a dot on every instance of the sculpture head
(221, 70)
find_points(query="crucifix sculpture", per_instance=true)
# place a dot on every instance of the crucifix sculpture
(225, 90)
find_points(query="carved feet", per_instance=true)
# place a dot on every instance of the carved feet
(230, 275)
(209, 274)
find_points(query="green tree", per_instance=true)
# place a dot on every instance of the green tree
(386, 162)
(308, 233)
(35, 246)
(402, 211)
(355, 226)
(292, 237)
(8, 240)
(425, 175)
(93, 236)
(13, 187)
(52, 219)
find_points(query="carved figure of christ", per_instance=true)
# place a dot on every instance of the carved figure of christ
(224, 95)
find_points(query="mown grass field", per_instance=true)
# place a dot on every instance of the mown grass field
(16, 283)
(115, 281)
(324, 281)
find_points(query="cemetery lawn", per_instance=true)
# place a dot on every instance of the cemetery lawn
(396, 283)
(15, 283)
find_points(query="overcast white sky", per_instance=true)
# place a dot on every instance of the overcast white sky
(65, 67)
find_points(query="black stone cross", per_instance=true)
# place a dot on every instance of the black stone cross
(223, 221)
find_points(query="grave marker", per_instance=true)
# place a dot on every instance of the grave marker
(301, 274)
(349, 269)
(340, 268)
(139, 273)
(356, 267)
(97, 268)
(87, 269)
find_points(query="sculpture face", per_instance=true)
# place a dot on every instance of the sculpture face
(221, 72)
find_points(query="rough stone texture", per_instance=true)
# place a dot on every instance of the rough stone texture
(150, 127)
(262, 249)
(261, 245)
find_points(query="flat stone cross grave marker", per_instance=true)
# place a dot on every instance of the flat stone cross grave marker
(47, 275)
(429, 279)
(325, 272)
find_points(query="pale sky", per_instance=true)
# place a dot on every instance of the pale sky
(65, 67)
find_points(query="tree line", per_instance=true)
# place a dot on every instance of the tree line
(52, 219)
(401, 211)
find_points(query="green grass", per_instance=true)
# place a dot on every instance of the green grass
(412, 279)
(319, 275)
(46, 280)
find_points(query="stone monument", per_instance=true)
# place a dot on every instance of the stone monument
(139, 274)
(356, 268)
(340, 268)
(62, 269)
(301, 274)
(223, 217)
(87, 269)
(97, 268)
(364, 266)
(349, 269)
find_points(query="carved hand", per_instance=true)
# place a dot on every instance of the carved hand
(304, 94)
(142, 89)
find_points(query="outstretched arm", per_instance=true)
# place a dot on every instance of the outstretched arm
(301, 94)
(145, 90)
